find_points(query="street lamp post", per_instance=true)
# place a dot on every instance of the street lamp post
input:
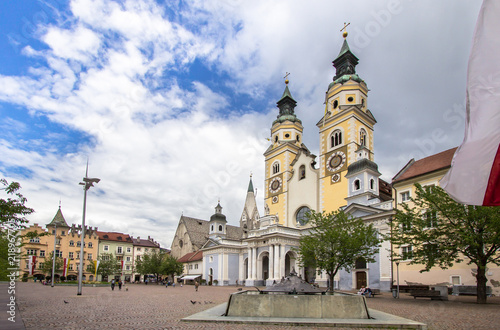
(397, 267)
(54, 256)
(87, 183)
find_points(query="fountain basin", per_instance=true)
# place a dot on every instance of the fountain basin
(337, 306)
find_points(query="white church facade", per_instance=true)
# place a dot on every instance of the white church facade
(261, 249)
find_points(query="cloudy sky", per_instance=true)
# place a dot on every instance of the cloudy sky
(172, 101)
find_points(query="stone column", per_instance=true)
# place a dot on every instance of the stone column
(254, 263)
(282, 266)
(271, 262)
(241, 271)
(277, 262)
(249, 263)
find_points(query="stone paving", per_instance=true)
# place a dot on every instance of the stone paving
(156, 307)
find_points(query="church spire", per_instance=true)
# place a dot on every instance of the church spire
(287, 106)
(346, 61)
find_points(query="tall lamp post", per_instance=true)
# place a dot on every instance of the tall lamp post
(397, 267)
(87, 183)
(54, 256)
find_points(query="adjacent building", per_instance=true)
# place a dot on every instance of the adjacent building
(67, 246)
(119, 246)
(141, 247)
(428, 171)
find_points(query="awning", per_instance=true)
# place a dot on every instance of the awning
(190, 277)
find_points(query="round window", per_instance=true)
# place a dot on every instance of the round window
(302, 217)
(350, 99)
(287, 135)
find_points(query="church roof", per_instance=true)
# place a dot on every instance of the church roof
(198, 230)
(425, 165)
(192, 256)
(361, 165)
(58, 219)
(286, 93)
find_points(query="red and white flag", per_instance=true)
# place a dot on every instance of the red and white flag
(65, 266)
(31, 264)
(474, 176)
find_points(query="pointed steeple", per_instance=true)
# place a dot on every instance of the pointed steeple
(345, 63)
(250, 213)
(287, 105)
(250, 185)
(58, 219)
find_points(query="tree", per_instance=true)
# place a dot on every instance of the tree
(442, 232)
(13, 212)
(108, 265)
(47, 265)
(151, 263)
(335, 241)
(172, 267)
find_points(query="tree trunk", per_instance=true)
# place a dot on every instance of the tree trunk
(481, 284)
(330, 284)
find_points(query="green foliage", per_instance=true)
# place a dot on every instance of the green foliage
(172, 267)
(108, 265)
(335, 241)
(47, 265)
(158, 263)
(151, 263)
(13, 212)
(442, 232)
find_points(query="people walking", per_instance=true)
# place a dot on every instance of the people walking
(112, 284)
(120, 284)
(196, 285)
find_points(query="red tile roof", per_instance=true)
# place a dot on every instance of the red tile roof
(112, 236)
(425, 165)
(192, 256)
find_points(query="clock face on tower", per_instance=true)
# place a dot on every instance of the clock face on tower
(275, 185)
(335, 161)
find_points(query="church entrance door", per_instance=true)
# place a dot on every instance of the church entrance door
(265, 267)
(360, 279)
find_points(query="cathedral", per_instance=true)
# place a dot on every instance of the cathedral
(343, 176)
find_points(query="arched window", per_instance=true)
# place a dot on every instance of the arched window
(90, 244)
(276, 138)
(335, 104)
(302, 172)
(276, 167)
(357, 184)
(302, 215)
(71, 243)
(212, 228)
(336, 138)
(78, 243)
(362, 137)
(372, 184)
(220, 227)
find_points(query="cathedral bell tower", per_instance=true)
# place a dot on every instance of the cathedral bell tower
(346, 127)
(286, 140)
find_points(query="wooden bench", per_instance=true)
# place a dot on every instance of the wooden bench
(423, 293)
(374, 293)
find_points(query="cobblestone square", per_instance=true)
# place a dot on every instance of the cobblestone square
(156, 307)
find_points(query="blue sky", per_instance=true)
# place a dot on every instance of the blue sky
(172, 101)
